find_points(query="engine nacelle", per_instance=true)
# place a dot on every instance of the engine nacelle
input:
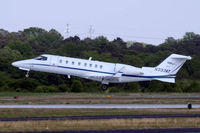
(127, 69)
(132, 72)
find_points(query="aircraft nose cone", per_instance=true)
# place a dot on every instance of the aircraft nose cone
(16, 63)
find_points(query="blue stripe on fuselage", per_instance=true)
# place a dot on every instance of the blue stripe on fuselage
(126, 75)
(137, 76)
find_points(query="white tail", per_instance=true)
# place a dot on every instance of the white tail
(170, 66)
(172, 63)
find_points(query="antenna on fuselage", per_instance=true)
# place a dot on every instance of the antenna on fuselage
(90, 58)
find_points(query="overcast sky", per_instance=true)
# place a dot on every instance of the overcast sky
(149, 21)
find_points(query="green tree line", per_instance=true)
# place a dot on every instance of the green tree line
(34, 41)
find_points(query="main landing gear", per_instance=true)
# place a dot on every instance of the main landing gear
(27, 74)
(104, 87)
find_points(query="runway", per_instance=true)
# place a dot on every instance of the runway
(102, 117)
(173, 130)
(108, 106)
(102, 106)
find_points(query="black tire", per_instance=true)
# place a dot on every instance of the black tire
(104, 87)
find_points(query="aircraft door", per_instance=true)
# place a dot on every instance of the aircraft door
(54, 60)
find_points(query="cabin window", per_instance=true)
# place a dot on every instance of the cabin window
(79, 63)
(66, 61)
(60, 61)
(90, 65)
(72, 62)
(85, 64)
(43, 58)
(101, 66)
(96, 65)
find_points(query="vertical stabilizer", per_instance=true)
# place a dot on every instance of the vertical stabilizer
(169, 67)
(172, 64)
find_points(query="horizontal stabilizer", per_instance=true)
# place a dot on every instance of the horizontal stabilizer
(176, 56)
(169, 80)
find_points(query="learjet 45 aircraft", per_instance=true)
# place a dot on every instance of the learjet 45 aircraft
(104, 72)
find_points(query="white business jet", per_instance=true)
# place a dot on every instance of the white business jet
(104, 72)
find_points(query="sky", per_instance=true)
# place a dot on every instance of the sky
(148, 21)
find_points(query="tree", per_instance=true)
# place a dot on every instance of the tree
(27, 84)
(129, 43)
(41, 40)
(9, 54)
(132, 87)
(194, 87)
(155, 86)
(190, 36)
(70, 49)
(76, 86)
(100, 40)
(170, 40)
(120, 42)
(23, 47)
(74, 39)
(34, 31)
(35, 41)
(46, 89)
(63, 88)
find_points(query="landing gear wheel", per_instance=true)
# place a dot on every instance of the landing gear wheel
(27, 74)
(104, 87)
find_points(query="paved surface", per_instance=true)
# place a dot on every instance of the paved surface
(164, 97)
(102, 106)
(176, 130)
(102, 117)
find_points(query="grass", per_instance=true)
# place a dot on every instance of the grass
(3, 94)
(97, 98)
(101, 124)
(10, 94)
(10, 113)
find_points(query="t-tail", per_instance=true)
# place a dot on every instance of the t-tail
(169, 67)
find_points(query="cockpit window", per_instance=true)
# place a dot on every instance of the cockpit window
(41, 58)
